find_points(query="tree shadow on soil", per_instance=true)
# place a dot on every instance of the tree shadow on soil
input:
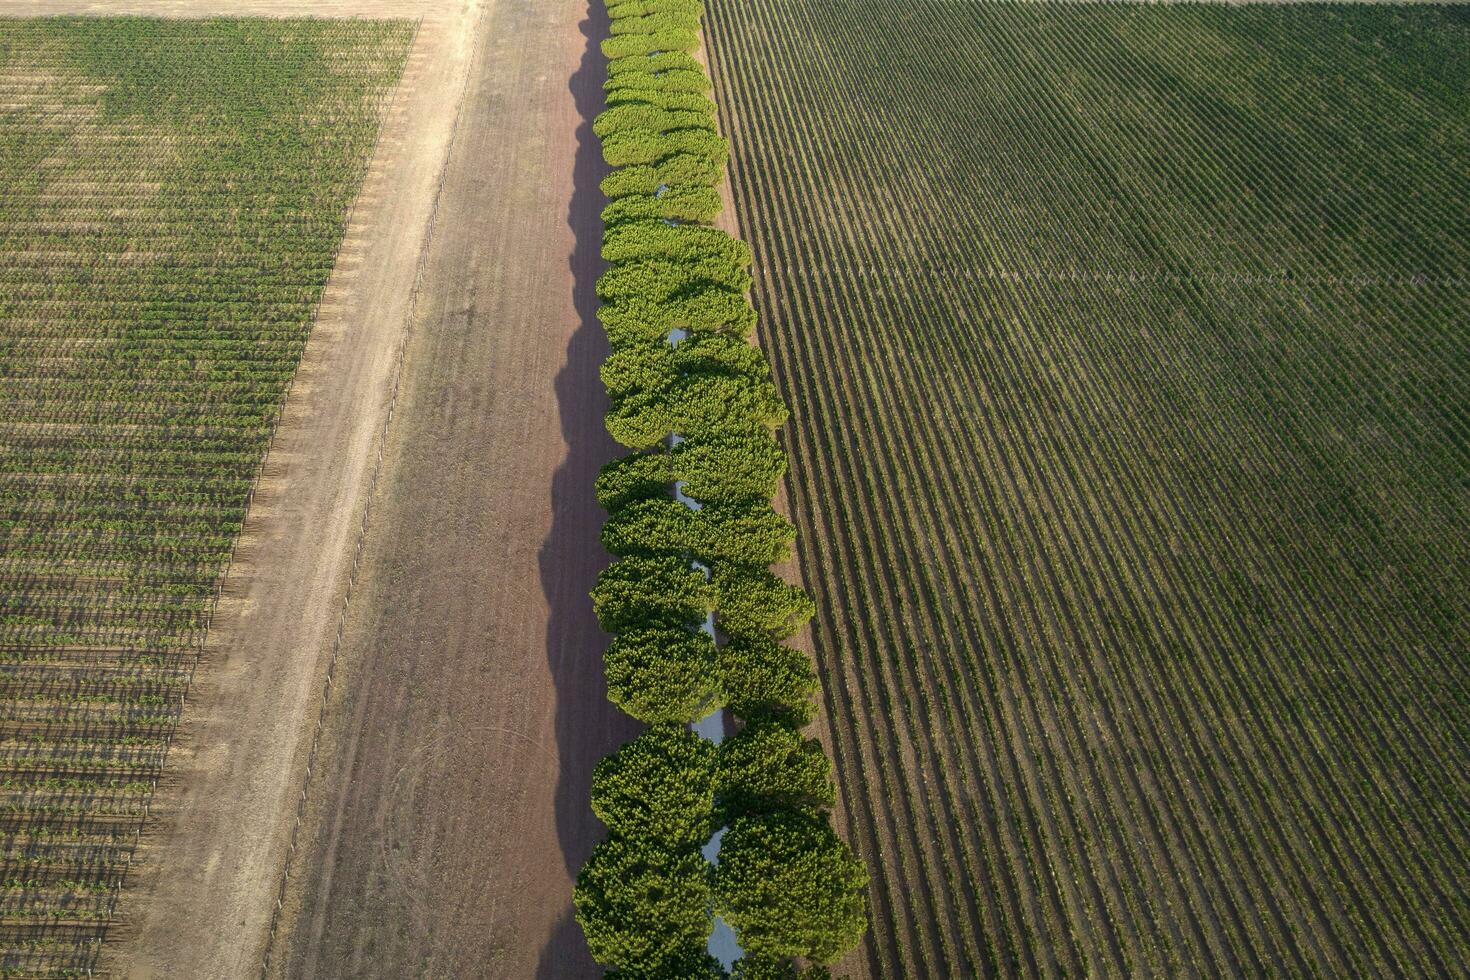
(588, 727)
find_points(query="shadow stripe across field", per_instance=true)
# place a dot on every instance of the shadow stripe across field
(1127, 351)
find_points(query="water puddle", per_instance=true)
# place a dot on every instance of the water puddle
(684, 498)
(711, 728)
(723, 945)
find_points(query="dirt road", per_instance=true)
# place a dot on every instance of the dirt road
(450, 811)
(205, 878)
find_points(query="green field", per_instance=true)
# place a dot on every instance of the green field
(172, 197)
(1128, 356)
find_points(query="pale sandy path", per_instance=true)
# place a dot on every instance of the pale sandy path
(205, 879)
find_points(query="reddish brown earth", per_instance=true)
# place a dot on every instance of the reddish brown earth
(449, 813)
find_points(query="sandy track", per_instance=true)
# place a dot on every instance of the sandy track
(451, 813)
(206, 876)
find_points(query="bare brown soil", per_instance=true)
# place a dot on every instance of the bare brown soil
(450, 813)
(206, 875)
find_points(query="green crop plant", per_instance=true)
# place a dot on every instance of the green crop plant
(1127, 448)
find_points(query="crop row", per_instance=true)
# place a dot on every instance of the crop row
(697, 618)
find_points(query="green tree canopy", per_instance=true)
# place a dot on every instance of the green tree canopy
(633, 83)
(768, 766)
(642, 906)
(635, 146)
(692, 963)
(658, 787)
(754, 601)
(639, 115)
(644, 592)
(749, 531)
(660, 278)
(756, 967)
(681, 168)
(708, 404)
(676, 39)
(702, 309)
(639, 371)
(624, 9)
(728, 468)
(661, 98)
(760, 678)
(663, 674)
(636, 476)
(657, 240)
(676, 203)
(699, 388)
(654, 66)
(789, 886)
(654, 22)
